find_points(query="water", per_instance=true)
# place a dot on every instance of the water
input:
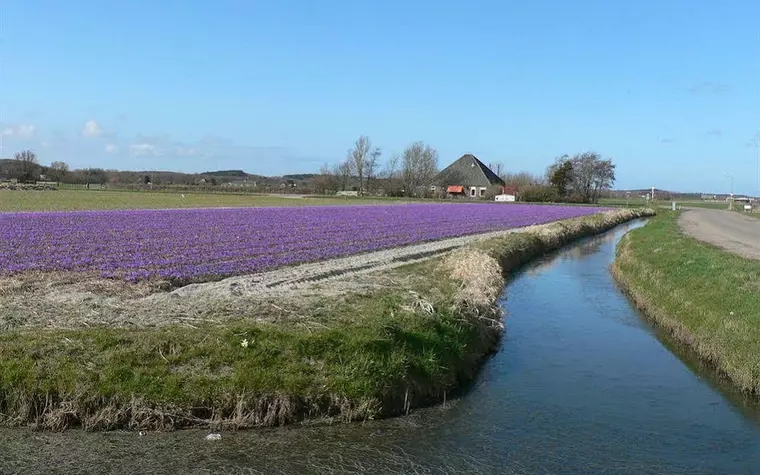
(581, 385)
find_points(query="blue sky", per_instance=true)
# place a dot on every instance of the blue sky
(670, 90)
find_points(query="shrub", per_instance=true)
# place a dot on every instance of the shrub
(538, 194)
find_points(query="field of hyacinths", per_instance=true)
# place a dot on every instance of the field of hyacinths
(209, 244)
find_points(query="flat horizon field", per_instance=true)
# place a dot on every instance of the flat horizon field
(81, 200)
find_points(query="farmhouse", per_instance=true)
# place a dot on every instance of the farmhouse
(467, 176)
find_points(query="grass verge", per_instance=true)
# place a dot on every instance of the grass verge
(360, 356)
(705, 297)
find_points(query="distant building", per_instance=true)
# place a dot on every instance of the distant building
(508, 193)
(468, 177)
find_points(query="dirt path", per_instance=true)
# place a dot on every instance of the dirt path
(729, 230)
(344, 272)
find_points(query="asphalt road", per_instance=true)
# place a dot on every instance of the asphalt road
(729, 230)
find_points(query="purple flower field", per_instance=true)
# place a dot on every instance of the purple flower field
(196, 244)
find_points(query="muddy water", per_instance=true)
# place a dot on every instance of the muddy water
(581, 385)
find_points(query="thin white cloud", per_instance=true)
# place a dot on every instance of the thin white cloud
(92, 129)
(709, 87)
(22, 131)
(183, 151)
(111, 148)
(143, 150)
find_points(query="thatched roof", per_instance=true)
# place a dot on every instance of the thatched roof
(468, 171)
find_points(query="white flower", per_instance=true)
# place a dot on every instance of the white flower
(244, 343)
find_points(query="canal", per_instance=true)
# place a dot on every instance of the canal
(581, 385)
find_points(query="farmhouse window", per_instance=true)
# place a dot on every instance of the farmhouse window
(472, 191)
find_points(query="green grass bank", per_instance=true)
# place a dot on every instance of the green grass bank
(360, 356)
(707, 298)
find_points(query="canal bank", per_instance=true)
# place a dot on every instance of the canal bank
(355, 356)
(706, 298)
(580, 384)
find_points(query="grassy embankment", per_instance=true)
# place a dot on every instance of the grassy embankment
(707, 298)
(360, 356)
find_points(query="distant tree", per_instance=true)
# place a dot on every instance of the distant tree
(29, 165)
(326, 181)
(497, 168)
(522, 180)
(560, 176)
(146, 179)
(538, 193)
(358, 156)
(95, 176)
(371, 166)
(58, 171)
(343, 171)
(391, 171)
(591, 175)
(420, 164)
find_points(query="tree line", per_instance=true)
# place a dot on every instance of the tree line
(580, 178)
(406, 174)
(583, 177)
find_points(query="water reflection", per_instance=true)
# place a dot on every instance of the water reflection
(581, 385)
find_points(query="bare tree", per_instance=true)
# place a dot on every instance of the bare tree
(326, 180)
(358, 157)
(391, 170)
(591, 174)
(420, 164)
(371, 165)
(29, 164)
(497, 168)
(343, 171)
(522, 180)
(58, 171)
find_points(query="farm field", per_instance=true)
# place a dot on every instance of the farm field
(72, 200)
(337, 339)
(191, 245)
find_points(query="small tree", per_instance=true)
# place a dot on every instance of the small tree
(591, 174)
(561, 176)
(343, 171)
(29, 165)
(391, 172)
(58, 171)
(358, 157)
(420, 164)
(522, 180)
(371, 166)
(326, 180)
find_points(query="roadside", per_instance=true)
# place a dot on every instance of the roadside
(706, 297)
(732, 231)
(377, 345)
